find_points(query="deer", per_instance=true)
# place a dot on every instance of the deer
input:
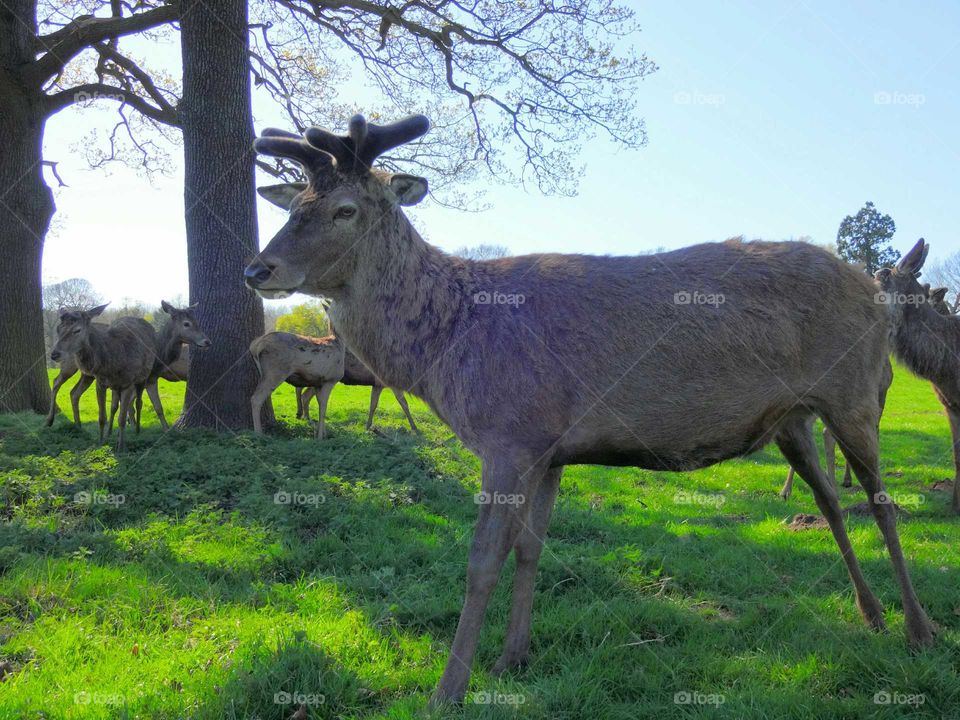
(120, 356)
(172, 358)
(356, 373)
(926, 338)
(300, 360)
(540, 361)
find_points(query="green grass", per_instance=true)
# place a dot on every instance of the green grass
(185, 591)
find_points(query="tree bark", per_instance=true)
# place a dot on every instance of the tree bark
(221, 221)
(26, 207)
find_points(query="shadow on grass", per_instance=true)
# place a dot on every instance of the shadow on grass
(393, 527)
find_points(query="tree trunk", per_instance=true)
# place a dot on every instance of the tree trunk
(26, 206)
(221, 218)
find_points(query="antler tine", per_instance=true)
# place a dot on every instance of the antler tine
(280, 143)
(365, 142)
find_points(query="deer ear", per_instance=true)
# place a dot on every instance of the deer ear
(166, 307)
(938, 294)
(408, 189)
(281, 195)
(93, 312)
(913, 260)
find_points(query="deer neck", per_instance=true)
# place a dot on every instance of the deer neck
(403, 308)
(926, 342)
(94, 350)
(169, 345)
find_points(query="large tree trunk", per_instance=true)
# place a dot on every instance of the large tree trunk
(26, 206)
(221, 218)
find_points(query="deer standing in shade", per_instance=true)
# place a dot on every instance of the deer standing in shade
(600, 364)
(120, 356)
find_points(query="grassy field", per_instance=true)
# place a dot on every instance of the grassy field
(168, 582)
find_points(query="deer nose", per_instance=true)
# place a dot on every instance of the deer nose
(55, 355)
(205, 343)
(257, 273)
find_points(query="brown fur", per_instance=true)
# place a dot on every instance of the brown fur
(120, 356)
(926, 338)
(599, 364)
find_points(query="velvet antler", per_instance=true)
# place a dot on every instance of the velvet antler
(365, 142)
(280, 143)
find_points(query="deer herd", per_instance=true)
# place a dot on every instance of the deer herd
(599, 365)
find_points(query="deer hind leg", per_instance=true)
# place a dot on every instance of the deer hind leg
(374, 401)
(402, 401)
(126, 399)
(323, 395)
(787, 488)
(299, 392)
(153, 392)
(795, 440)
(954, 415)
(526, 550)
(114, 406)
(858, 439)
(268, 383)
(499, 525)
(308, 394)
(76, 392)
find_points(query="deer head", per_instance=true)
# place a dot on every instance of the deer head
(72, 330)
(342, 209)
(184, 325)
(900, 284)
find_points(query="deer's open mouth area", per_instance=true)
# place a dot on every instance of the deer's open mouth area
(274, 294)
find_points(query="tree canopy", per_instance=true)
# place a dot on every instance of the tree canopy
(865, 238)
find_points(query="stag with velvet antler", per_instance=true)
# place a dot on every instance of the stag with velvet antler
(599, 364)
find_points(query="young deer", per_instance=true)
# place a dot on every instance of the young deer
(120, 356)
(356, 373)
(543, 361)
(926, 338)
(299, 360)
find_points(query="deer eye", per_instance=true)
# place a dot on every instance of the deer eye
(345, 211)
(186, 323)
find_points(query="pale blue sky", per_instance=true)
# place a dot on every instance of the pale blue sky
(767, 119)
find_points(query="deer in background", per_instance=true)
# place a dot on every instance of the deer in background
(120, 356)
(356, 373)
(926, 338)
(172, 358)
(300, 360)
(600, 364)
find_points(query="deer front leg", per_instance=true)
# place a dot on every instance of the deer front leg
(954, 415)
(787, 488)
(153, 392)
(374, 401)
(126, 399)
(114, 406)
(499, 524)
(101, 408)
(299, 392)
(526, 550)
(406, 409)
(58, 381)
(323, 395)
(76, 392)
(268, 383)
